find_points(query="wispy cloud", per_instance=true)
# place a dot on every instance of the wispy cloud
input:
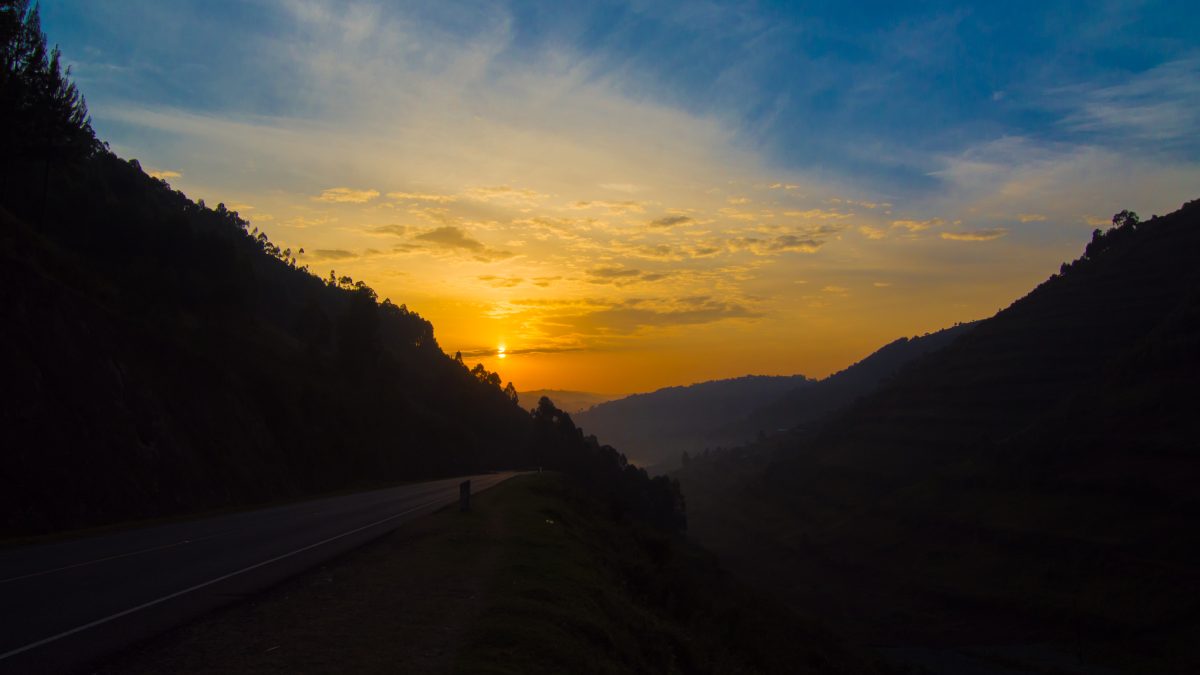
(1161, 104)
(918, 225)
(505, 193)
(671, 221)
(394, 230)
(872, 232)
(621, 276)
(455, 239)
(344, 195)
(500, 281)
(323, 254)
(632, 315)
(976, 235)
(785, 243)
(422, 197)
(618, 207)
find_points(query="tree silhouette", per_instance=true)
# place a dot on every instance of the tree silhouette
(43, 116)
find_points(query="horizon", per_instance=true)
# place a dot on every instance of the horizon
(623, 198)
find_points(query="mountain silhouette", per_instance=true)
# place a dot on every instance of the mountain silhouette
(657, 427)
(1032, 480)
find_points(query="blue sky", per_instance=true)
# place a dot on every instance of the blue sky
(622, 183)
(868, 90)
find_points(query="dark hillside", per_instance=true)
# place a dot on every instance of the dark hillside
(1032, 482)
(158, 358)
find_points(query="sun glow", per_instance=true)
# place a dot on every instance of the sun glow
(500, 351)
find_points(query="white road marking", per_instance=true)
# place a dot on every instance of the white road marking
(111, 557)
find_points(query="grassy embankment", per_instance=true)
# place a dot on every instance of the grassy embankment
(537, 578)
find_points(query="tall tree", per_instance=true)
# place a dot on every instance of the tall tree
(43, 116)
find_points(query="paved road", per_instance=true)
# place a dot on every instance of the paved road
(66, 604)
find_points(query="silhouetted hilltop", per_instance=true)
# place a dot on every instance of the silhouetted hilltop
(1034, 480)
(572, 402)
(158, 357)
(809, 404)
(656, 428)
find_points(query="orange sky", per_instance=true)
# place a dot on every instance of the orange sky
(611, 239)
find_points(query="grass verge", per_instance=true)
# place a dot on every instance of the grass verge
(537, 578)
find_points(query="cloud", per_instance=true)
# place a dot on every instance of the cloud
(738, 200)
(322, 254)
(620, 187)
(617, 207)
(671, 221)
(1031, 217)
(634, 314)
(918, 225)
(454, 238)
(302, 223)
(164, 174)
(451, 237)
(1161, 105)
(977, 235)
(422, 197)
(500, 281)
(505, 193)
(882, 284)
(872, 232)
(864, 204)
(613, 272)
(397, 230)
(818, 214)
(478, 352)
(621, 276)
(344, 195)
(784, 243)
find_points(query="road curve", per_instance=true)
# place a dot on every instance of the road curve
(66, 604)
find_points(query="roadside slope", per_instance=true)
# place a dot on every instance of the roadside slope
(537, 578)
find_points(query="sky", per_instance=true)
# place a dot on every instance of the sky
(620, 196)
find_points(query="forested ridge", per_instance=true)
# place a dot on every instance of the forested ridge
(160, 356)
(1033, 480)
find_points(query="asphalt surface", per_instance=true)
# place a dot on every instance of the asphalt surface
(67, 604)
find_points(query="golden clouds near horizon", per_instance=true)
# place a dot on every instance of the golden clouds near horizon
(669, 282)
(611, 242)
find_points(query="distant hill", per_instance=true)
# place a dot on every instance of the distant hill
(657, 428)
(808, 404)
(569, 401)
(1035, 479)
(654, 429)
